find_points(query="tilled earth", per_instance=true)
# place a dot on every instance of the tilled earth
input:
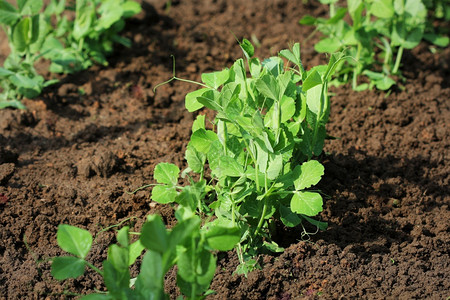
(72, 156)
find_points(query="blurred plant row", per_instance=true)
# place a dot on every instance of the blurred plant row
(72, 36)
(376, 33)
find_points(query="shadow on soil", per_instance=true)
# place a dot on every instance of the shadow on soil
(365, 195)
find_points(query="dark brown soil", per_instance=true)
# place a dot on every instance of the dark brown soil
(71, 157)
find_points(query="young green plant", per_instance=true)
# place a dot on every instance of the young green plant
(268, 127)
(379, 32)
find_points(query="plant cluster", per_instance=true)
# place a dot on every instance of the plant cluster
(379, 32)
(71, 44)
(249, 167)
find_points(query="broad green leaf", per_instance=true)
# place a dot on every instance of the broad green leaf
(65, 267)
(74, 240)
(122, 236)
(29, 7)
(275, 166)
(131, 8)
(209, 98)
(196, 160)
(85, 14)
(9, 15)
(154, 234)
(220, 237)
(191, 101)
(267, 85)
(5, 72)
(183, 231)
(289, 218)
(287, 112)
(195, 274)
(110, 12)
(306, 203)
(314, 99)
(150, 281)
(11, 103)
(136, 249)
(202, 140)
(118, 257)
(216, 79)
(328, 45)
(308, 174)
(164, 194)
(198, 123)
(230, 167)
(117, 281)
(166, 173)
(382, 8)
(293, 55)
(438, 40)
(21, 35)
(312, 80)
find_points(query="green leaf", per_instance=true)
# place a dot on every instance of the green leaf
(308, 20)
(195, 274)
(131, 8)
(438, 40)
(136, 249)
(308, 174)
(216, 79)
(164, 194)
(117, 281)
(293, 55)
(118, 257)
(267, 85)
(382, 8)
(275, 166)
(29, 7)
(320, 225)
(166, 173)
(150, 281)
(230, 167)
(21, 36)
(74, 240)
(202, 140)
(85, 14)
(328, 45)
(196, 160)
(312, 80)
(122, 236)
(220, 237)
(65, 267)
(198, 123)
(209, 98)
(11, 103)
(248, 48)
(8, 13)
(306, 203)
(289, 218)
(185, 229)
(154, 234)
(191, 101)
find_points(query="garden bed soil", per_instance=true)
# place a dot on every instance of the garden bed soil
(73, 155)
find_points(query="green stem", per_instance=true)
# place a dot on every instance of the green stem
(397, 60)
(356, 70)
(94, 268)
(261, 220)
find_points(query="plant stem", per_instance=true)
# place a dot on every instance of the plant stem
(94, 268)
(397, 60)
